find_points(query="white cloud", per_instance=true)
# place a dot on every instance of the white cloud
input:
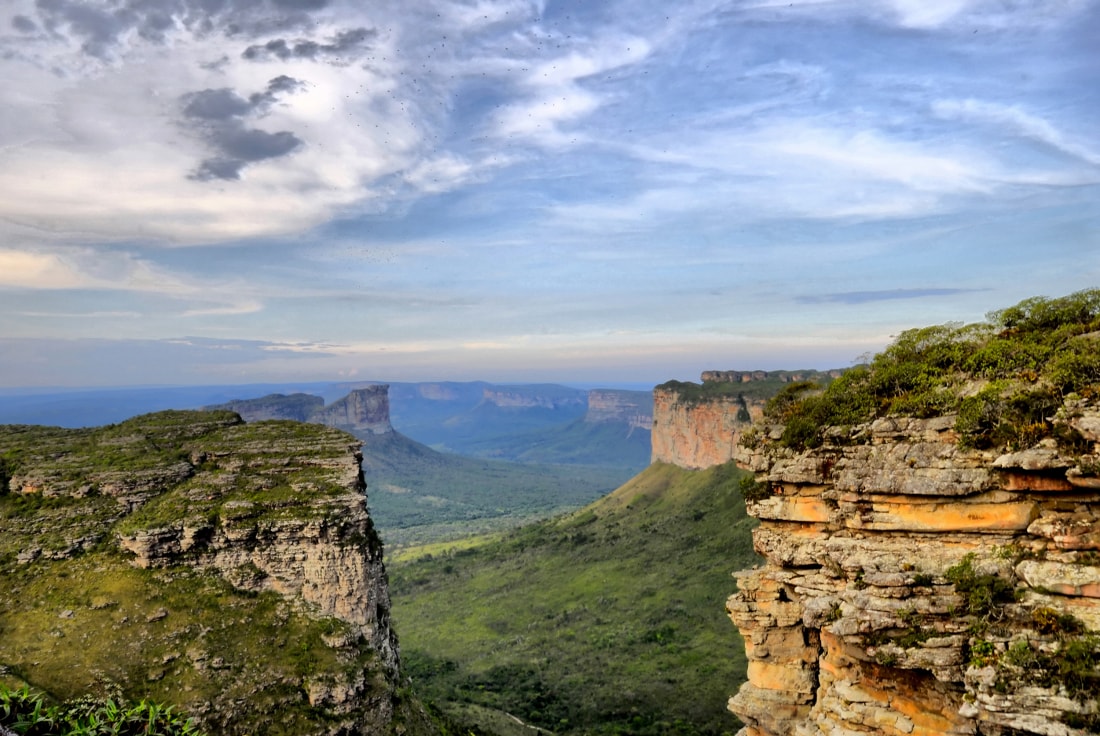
(1019, 122)
(556, 96)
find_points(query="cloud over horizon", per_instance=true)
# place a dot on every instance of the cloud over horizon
(607, 177)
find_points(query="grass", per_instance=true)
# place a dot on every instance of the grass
(77, 618)
(606, 621)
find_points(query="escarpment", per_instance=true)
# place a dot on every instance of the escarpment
(230, 569)
(364, 410)
(934, 569)
(632, 408)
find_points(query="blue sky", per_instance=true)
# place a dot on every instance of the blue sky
(221, 191)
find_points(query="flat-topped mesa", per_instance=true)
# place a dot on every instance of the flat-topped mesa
(535, 396)
(913, 587)
(362, 410)
(697, 427)
(633, 408)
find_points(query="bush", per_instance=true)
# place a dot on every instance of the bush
(24, 711)
(984, 595)
(1032, 354)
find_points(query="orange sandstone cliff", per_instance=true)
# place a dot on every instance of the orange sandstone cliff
(914, 587)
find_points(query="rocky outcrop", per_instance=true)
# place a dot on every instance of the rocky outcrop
(296, 407)
(699, 433)
(364, 410)
(915, 587)
(632, 408)
(230, 569)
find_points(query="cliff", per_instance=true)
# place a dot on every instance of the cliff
(631, 408)
(537, 396)
(295, 407)
(932, 574)
(229, 569)
(696, 429)
(364, 410)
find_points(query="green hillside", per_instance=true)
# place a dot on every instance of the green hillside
(606, 621)
(418, 495)
(608, 444)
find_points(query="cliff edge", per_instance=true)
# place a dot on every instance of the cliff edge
(931, 526)
(229, 569)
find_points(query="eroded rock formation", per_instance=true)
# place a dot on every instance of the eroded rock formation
(914, 587)
(632, 408)
(364, 410)
(698, 434)
(230, 569)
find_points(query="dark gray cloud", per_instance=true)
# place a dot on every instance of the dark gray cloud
(863, 297)
(101, 29)
(220, 116)
(216, 104)
(344, 44)
(254, 145)
(23, 24)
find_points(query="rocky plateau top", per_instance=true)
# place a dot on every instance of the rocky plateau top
(229, 569)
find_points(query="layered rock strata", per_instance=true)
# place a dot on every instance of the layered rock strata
(914, 587)
(699, 434)
(632, 408)
(231, 569)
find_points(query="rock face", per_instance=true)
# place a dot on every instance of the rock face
(229, 569)
(296, 407)
(632, 408)
(365, 410)
(528, 397)
(699, 434)
(913, 587)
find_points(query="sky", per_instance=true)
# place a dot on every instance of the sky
(241, 191)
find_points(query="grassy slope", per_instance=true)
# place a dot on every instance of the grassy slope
(418, 495)
(610, 444)
(609, 620)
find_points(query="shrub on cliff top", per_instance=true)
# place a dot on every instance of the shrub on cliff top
(1031, 355)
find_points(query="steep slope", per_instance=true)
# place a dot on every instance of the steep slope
(931, 525)
(229, 569)
(604, 621)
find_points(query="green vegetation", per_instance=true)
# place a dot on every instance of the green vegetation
(580, 442)
(606, 621)
(984, 594)
(1003, 377)
(420, 496)
(77, 613)
(25, 711)
(759, 388)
